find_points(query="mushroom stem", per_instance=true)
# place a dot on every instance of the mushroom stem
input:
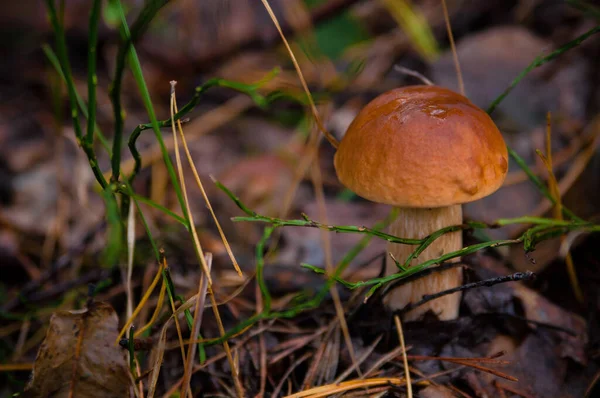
(417, 223)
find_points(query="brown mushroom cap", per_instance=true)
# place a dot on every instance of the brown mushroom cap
(422, 146)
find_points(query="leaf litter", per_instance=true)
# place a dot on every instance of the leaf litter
(79, 358)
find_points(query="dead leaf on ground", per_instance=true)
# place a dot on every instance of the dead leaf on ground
(543, 357)
(79, 358)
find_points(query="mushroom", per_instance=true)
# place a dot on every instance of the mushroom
(425, 150)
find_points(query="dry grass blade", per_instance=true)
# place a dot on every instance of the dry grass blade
(159, 304)
(139, 391)
(404, 358)
(262, 346)
(558, 214)
(136, 392)
(294, 345)
(215, 358)
(332, 140)
(206, 200)
(324, 391)
(490, 360)
(487, 370)
(13, 367)
(461, 84)
(159, 353)
(77, 355)
(199, 310)
(317, 359)
(299, 172)
(577, 167)
(288, 372)
(141, 303)
(197, 245)
(178, 328)
(470, 362)
(384, 359)
(326, 239)
(130, 251)
(362, 358)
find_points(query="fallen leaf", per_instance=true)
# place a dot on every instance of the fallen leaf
(79, 358)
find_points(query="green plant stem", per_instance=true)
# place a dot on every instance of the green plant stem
(587, 8)
(539, 61)
(540, 221)
(543, 228)
(129, 192)
(378, 282)
(82, 106)
(136, 68)
(63, 58)
(307, 222)
(147, 229)
(92, 78)
(249, 89)
(126, 51)
(260, 265)
(539, 184)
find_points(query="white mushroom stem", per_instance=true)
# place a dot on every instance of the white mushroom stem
(418, 223)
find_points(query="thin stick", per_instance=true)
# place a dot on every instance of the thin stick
(404, 357)
(461, 85)
(517, 276)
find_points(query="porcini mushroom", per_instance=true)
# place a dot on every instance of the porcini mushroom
(425, 150)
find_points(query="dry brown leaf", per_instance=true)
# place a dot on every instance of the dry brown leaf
(79, 358)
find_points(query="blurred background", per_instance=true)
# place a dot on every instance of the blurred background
(349, 51)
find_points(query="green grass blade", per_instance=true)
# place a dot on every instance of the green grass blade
(63, 58)
(53, 59)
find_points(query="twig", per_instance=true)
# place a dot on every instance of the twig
(517, 276)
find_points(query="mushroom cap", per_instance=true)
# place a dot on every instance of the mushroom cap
(422, 146)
